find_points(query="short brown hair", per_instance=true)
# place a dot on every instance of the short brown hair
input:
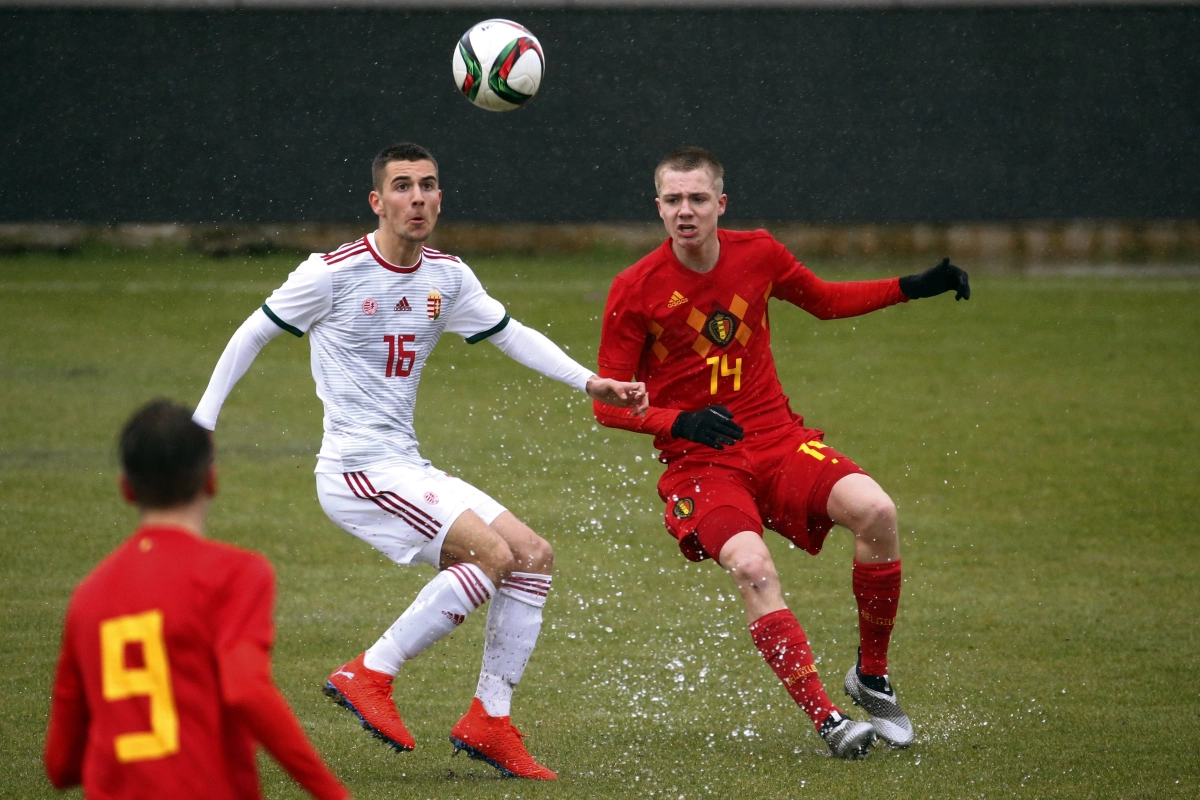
(686, 159)
(165, 455)
(403, 151)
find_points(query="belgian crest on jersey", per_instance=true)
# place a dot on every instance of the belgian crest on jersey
(719, 327)
(684, 507)
(433, 307)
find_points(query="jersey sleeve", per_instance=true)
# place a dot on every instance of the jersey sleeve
(623, 332)
(244, 636)
(796, 284)
(305, 297)
(67, 731)
(476, 315)
(656, 421)
(245, 613)
(534, 350)
(239, 354)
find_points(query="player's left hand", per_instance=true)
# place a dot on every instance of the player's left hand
(935, 280)
(622, 394)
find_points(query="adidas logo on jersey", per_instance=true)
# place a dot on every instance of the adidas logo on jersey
(403, 305)
(676, 300)
(457, 619)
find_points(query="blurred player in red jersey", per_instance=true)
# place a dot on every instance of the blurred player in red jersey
(690, 319)
(164, 681)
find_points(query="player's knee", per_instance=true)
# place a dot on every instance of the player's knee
(876, 515)
(754, 573)
(538, 556)
(883, 513)
(497, 559)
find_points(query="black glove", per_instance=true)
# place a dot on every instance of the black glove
(935, 280)
(713, 426)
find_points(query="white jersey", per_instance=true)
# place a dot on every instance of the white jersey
(371, 327)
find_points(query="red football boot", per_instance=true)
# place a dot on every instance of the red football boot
(368, 695)
(498, 742)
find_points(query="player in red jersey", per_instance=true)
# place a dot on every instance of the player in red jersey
(164, 681)
(690, 319)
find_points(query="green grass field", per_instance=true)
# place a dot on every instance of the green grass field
(1041, 442)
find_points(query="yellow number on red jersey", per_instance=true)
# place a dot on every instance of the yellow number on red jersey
(722, 363)
(153, 680)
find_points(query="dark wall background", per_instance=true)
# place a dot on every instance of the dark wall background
(837, 116)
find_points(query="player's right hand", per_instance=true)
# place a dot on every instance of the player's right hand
(622, 394)
(943, 277)
(713, 426)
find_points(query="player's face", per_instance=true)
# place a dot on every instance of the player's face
(689, 206)
(410, 200)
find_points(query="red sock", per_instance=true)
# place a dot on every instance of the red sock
(877, 589)
(784, 646)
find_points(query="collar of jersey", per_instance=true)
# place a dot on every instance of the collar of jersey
(691, 273)
(369, 240)
(165, 529)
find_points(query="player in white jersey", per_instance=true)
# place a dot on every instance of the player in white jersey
(373, 310)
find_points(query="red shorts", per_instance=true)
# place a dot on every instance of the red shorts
(781, 482)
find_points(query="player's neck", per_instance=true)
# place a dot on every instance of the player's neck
(395, 250)
(190, 516)
(700, 259)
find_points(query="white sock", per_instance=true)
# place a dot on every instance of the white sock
(513, 624)
(441, 607)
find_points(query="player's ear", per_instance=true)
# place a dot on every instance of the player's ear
(210, 482)
(658, 205)
(127, 490)
(376, 203)
(721, 202)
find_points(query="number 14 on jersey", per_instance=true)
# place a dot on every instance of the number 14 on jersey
(720, 364)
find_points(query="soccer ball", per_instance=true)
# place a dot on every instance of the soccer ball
(498, 65)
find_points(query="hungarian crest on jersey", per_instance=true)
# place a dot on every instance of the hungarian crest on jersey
(433, 307)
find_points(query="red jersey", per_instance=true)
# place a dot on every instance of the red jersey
(139, 706)
(701, 339)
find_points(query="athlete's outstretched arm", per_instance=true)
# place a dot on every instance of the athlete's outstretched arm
(534, 350)
(247, 689)
(837, 299)
(239, 354)
(840, 299)
(654, 421)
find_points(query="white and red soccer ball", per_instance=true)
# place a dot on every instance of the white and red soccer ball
(498, 65)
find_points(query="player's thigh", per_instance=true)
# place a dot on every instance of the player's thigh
(707, 504)
(403, 512)
(804, 471)
(531, 552)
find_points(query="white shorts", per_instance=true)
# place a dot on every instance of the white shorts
(403, 512)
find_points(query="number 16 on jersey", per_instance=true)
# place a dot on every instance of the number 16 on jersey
(400, 361)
